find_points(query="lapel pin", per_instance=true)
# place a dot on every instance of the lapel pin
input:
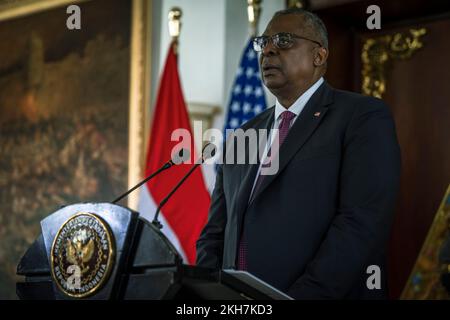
(317, 114)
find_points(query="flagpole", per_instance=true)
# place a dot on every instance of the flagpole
(175, 15)
(254, 13)
(301, 4)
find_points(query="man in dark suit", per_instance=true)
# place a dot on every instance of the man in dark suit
(318, 225)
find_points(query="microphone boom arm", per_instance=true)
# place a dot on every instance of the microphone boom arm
(155, 221)
(166, 166)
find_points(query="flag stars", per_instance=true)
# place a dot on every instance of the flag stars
(258, 92)
(247, 107)
(250, 72)
(248, 90)
(251, 54)
(234, 123)
(235, 107)
(258, 108)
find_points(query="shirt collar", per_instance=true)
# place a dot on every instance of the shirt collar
(300, 103)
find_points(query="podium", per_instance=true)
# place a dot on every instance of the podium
(105, 251)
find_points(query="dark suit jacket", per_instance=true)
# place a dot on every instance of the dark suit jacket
(313, 228)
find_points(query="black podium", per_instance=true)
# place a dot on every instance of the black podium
(104, 251)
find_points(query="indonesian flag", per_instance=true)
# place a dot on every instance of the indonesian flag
(185, 214)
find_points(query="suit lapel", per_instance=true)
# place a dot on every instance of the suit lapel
(247, 172)
(308, 120)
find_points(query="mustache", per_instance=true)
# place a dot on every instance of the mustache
(268, 65)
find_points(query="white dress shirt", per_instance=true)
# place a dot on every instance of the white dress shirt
(295, 108)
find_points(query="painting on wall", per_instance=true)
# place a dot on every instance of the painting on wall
(64, 114)
(430, 277)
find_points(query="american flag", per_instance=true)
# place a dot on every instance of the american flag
(247, 94)
(247, 100)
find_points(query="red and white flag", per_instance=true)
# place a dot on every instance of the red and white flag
(185, 214)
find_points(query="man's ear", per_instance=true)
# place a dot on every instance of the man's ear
(320, 56)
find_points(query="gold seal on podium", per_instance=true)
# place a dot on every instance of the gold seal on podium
(82, 255)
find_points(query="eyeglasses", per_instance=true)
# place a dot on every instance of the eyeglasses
(281, 40)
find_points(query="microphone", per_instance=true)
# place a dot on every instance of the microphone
(178, 158)
(209, 150)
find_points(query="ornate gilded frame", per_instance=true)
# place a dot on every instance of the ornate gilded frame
(424, 282)
(377, 52)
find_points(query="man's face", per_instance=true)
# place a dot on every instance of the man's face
(293, 68)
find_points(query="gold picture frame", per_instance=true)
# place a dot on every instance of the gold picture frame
(424, 282)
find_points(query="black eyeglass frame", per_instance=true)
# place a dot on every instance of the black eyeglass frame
(275, 40)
